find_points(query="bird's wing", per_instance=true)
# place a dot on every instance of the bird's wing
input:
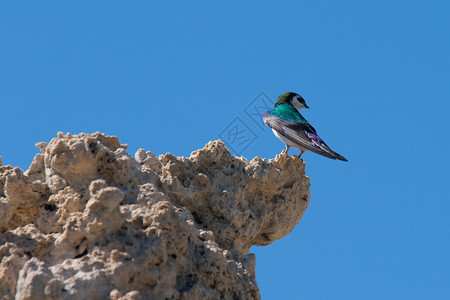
(302, 134)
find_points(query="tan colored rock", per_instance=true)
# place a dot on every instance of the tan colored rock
(88, 221)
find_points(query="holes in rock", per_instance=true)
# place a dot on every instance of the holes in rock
(81, 254)
(50, 207)
(288, 185)
(93, 147)
(265, 237)
(185, 283)
(198, 220)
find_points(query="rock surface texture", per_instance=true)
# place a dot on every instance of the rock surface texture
(89, 221)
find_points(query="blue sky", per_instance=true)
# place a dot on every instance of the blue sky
(169, 77)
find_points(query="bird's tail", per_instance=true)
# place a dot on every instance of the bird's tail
(332, 154)
(336, 155)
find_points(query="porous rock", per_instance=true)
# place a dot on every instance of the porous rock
(88, 221)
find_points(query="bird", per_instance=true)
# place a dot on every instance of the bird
(290, 127)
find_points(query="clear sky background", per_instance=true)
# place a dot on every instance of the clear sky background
(169, 77)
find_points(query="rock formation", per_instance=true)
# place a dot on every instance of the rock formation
(88, 221)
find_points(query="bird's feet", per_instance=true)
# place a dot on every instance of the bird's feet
(285, 151)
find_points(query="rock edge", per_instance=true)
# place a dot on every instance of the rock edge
(88, 221)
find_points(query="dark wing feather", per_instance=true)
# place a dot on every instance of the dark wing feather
(302, 134)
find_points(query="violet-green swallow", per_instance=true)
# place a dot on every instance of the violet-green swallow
(290, 127)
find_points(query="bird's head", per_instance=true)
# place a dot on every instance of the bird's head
(294, 99)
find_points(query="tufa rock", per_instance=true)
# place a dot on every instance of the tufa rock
(88, 221)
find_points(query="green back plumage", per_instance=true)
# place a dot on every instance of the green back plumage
(287, 111)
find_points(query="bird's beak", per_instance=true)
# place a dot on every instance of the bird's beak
(306, 106)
